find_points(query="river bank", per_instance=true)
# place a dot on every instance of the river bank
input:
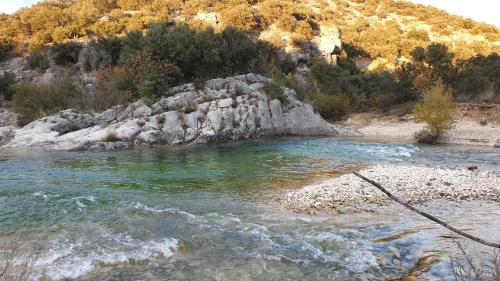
(475, 124)
(349, 194)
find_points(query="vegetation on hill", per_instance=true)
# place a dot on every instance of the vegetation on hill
(382, 28)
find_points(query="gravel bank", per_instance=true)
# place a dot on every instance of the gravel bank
(413, 184)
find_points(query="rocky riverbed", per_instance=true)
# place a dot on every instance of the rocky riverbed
(230, 109)
(412, 184)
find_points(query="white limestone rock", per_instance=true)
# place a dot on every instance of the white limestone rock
(135, 110)
(229, 109)
(6, 134)
(174, 102)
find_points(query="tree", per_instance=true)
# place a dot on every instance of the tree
(436, 110)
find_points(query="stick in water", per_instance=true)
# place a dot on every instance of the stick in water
(432, 218)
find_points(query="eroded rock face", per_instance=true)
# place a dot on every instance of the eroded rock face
(230, 109)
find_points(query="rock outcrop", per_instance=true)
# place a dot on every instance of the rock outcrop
(230, 109)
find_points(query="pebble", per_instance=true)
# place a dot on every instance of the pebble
(350, 194)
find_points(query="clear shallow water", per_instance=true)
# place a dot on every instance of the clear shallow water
(197, 214)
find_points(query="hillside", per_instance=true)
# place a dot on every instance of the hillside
(286, 24)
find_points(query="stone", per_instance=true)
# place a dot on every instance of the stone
(182, 88)
(6, 134)
(229, 109)
(174, 103)
(255, 78)
(214, 84)
(109, 115)
(225, 103)
(135, 110)
(152, 136)
(110, 146)
(173, 128)
(7, 118)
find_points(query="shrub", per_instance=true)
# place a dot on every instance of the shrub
(65, 53)
(38, 59)
(34, 101)
(331, 106)
(287, 65)
(435, 109)
(114, 87)
(331, 79)
(168, 55)
(289, 81)
(274, 91)
(7, 79)
(6, 45)
(239, 16)
(108, 45)
(111, 137)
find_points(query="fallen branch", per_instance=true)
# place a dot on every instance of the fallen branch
(432, 218)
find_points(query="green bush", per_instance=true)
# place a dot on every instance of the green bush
(7, 79)
(34, 101)
(287, 65)
(289, 81)
(436, 110)
(274, 91)
(169, 55)
(65, 53)
(331, 106)
(110, 45)
(38, 59)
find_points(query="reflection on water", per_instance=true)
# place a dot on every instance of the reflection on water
(195, 214)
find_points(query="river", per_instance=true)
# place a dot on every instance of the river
(203, 213)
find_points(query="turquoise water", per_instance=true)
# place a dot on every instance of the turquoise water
(201, 213)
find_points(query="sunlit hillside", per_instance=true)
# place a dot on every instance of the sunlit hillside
(380, 29)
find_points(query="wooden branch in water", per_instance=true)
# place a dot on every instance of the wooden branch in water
(432, 218)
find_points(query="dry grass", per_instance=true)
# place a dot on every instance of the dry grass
(111, 137)
(469, 267)
(16, 260)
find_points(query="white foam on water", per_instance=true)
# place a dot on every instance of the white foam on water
(79, 201)
(74, 259)
(40, 194)
(393, 151)
(360, 261)
(141, 206)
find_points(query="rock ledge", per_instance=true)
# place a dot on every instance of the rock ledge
(230, 109)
